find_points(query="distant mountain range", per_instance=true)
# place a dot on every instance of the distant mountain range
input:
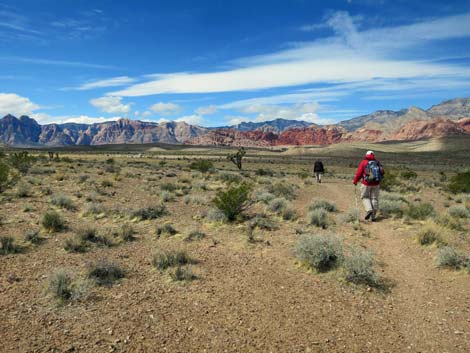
(451, 117)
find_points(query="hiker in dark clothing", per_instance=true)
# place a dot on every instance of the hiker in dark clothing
(318, 170)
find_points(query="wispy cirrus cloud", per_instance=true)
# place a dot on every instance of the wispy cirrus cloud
(109, 82)
(350, 55)
(52, 62)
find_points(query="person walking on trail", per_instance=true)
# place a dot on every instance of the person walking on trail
(371, 172)
(318, 170)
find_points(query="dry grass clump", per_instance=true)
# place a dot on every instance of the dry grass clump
(229, 177)
(282, 189)
(359, 268)
(63, 201)
(263, 222)
(459, 211)
(319, 218)
(215, 215)
(62, 286)
(264, 197)
(351, 216)
(194, 199)
(195, 235)
(8, 245)
(166, 229)
(166, 259)
(325, 204)
(104, 272)
(126, 233)
(322, 252)
(23, 190)
(451, 258)
(94, 209)
(167, 196)
(420, 211)
(180, 274)
(33, 237)
(431, 234)
(53, 221)
(151, 212)
(75, 244)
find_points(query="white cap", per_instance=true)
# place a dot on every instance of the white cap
(370, 152)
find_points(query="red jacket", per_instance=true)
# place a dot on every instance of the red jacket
(361, 170)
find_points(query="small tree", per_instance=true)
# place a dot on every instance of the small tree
(4, 173)
(236, 158)
(233, 201)
(21, 161)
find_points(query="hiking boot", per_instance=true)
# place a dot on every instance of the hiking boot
(369, 214)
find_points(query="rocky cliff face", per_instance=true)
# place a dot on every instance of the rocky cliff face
(420, 129)
(27, 132)
(451, 109)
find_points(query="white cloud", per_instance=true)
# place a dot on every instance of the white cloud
(210, 109)
(192, 119)
(11, 103)
(44, 118)
(110, 82)
(165, 108)
(111, 105)
(146, 114)
(349, 56)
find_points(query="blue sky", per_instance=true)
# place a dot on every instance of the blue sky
(222, 62)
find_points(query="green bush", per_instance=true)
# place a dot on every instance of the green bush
(359, 267)
(104, 272)
(389, 181)
(195, 235)
(449, 257)
(202, 165)
(392, 208)
(23, 190)
(168, 187)
(318, 217)
(229, 177)
(420, 211)
(33, 237)
(21, 161)
(321, 253)
(166, 229)
(233, 201)
(460, 182)
(53, 221)
(325, 204)
(264, 172)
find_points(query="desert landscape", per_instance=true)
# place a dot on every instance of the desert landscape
(112, 250)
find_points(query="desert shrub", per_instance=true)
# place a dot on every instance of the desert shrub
(87, 233)
(195, 235)
(94, 209)
(193, 199)
(167, 196)
(408, 174)
(63, 201)
(264, 181)
(229, 177)
(277, 205)
(318, 217)
(215, 215)
(263, 223)
(33, 237)
(4, 175)
(288, 213)
(166, 229)
(392, 196)
(200, 185)
(21, 161)
(104, 272)
(151, 212)
(322, 253)
(420, 211)
(53, 221)
(351, 216)
(23, 190)
(202, 165)
(430, 234)
(389, 181)
(460, 182)
(447, 221)
(449, 257)
(282, 189)
(106, 183)
(325, 204)
(75, 244)
(166, 259)
(82, 178)
(8, 245)
(126, 233)
(459, 211)
(60, 285)
(264, 172)
(359, 268)
(233, 201)
(168, 187)
(182, 274)
(392, 207)
(264, 197)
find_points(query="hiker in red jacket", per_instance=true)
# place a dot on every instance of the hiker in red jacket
(371, 172)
